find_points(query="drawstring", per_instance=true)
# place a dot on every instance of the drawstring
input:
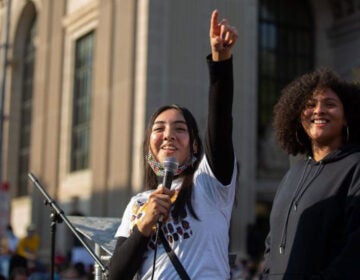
(299, 192)
(284, 232)
(321, 166)
(301, 181)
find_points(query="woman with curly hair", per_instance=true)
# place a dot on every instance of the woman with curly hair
(315, 218)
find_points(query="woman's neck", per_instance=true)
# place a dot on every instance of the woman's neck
(321, 151)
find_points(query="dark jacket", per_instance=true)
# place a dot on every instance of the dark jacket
(315, 220)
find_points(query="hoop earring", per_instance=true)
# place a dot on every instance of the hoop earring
(347, 134)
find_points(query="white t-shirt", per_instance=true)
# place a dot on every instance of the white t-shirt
(201, 245)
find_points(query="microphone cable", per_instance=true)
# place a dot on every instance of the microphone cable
(170, 166)
(158, 228)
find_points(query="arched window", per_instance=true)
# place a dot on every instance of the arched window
(286, 50)
(27, 60)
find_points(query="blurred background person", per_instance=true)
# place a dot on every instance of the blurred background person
(27, 251)
(8, 244)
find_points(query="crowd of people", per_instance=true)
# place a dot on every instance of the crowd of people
(181, 230)
(19, 256)
(20, 260)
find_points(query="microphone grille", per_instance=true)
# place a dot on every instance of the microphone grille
(170, 164)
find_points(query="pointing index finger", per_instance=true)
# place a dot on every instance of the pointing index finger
(214, 22)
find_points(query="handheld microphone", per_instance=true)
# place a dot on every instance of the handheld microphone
(170, 167)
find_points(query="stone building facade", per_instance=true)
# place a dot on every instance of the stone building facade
(83, 76)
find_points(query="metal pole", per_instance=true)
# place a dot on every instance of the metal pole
(97, 269)
(3, 85)
(52, 203)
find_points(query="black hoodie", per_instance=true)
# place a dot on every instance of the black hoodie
(315, 220)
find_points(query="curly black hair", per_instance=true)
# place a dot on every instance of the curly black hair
(289, 132)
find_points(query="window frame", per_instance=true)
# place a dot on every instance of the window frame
(281, 58)
(82, 95)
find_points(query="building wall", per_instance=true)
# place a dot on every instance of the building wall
(147, 54)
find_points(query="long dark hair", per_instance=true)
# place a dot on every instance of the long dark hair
(150, 178)
(289, 132)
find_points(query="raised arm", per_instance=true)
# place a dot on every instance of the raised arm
(218, 139)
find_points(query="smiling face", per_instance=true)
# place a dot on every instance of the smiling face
(323, 119)
(170, 136)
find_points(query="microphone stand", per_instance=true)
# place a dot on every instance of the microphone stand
(57, 216)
